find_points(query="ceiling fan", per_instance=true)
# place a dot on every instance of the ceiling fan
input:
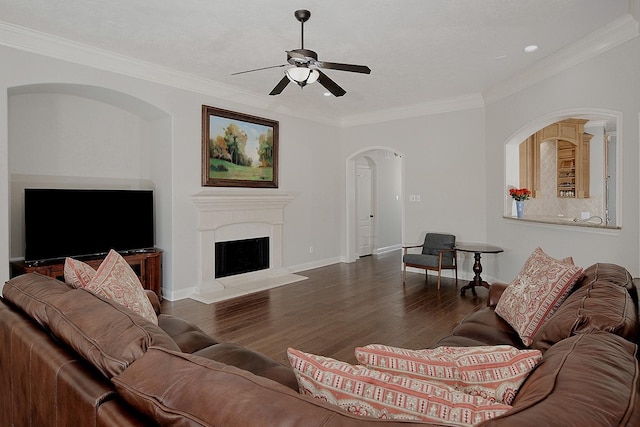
(306, 67)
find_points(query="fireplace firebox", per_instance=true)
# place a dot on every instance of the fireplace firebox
(241, 256)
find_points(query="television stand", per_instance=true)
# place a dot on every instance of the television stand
(146, 264)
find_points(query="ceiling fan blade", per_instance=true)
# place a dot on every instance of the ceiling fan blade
(344, 67)
(259, 69)
(280, 86)
(329, 84)
(296, 55)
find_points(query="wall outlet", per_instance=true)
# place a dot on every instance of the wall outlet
(417, 197)
(311, 249)
(412, 197)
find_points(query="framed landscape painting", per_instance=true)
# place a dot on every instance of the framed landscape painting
(238, 150)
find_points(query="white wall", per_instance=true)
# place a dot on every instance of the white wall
(609, 81)
(444, 163)
(57, 134)
(167, 152)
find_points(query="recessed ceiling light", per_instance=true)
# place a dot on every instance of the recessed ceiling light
(327, 94)
(500, 57)
(531, 48)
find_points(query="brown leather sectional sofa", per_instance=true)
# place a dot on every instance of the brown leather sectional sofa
(69, 358)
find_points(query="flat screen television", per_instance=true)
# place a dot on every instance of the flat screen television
(61, 223)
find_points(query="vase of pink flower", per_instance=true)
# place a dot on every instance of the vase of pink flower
(519, 195)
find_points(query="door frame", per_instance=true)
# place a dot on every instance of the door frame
(351, 232)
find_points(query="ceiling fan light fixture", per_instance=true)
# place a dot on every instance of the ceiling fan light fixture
(302, 76)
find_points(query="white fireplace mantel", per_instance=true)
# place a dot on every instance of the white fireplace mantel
(207, 202)
(229, 216)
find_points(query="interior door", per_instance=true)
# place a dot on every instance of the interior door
(364, 210)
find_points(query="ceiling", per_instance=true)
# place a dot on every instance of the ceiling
(419, 51)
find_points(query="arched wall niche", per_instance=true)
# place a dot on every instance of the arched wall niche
(605, 177)
(112, 97)
(82, 136)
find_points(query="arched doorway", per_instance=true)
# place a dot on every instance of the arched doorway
(386, 168)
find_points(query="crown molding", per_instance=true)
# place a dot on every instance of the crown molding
(63, 49)
(447, 105)
(603, 39)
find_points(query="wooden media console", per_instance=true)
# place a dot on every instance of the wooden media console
(146, 264)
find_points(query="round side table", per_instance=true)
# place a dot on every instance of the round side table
(477, 249)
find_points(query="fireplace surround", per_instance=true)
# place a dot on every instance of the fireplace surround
(224, 217)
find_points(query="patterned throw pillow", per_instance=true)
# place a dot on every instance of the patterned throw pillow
(492, 372)
(116, 280)
(535, 294)
(568, 260)
(77, 273)
(367, 392)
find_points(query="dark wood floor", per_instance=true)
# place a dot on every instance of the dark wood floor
(338, 308)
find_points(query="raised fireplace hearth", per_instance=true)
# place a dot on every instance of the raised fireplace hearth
(234, 217)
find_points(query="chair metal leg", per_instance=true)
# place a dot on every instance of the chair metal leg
(404, 273)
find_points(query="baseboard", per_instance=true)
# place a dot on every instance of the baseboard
(314, 264)
(384, 250)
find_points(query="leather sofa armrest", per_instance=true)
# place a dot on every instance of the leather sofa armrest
(495, 292)
(155, 301)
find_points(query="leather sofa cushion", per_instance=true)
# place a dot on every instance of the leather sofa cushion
(252, 361)
(187, 336)
(105, 333)
(487, 327)
(194, 391)
(601, 305)
(612, 273)
(586, 380)
(32, 293)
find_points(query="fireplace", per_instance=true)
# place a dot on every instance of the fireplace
(241, 256)
(229, 217)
